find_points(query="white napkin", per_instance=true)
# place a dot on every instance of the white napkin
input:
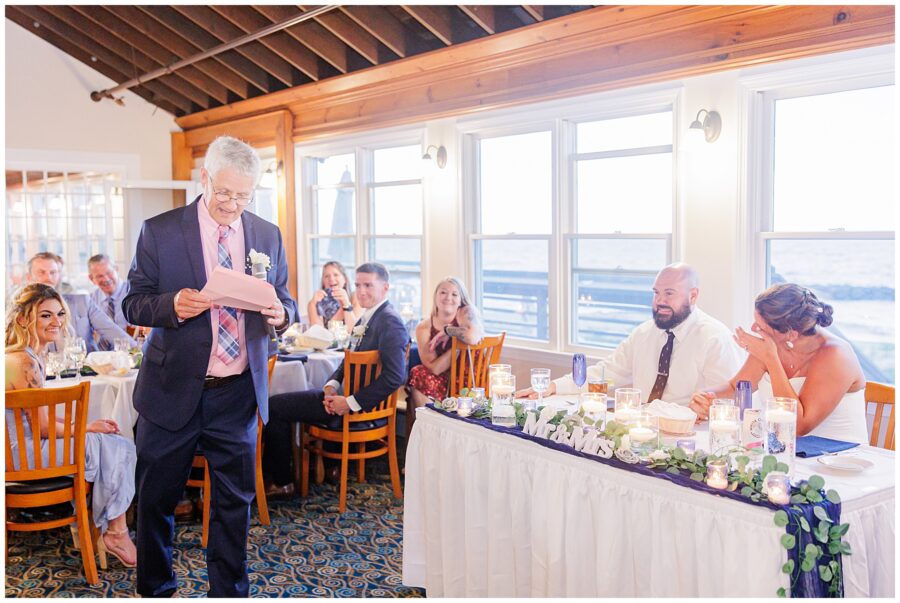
(670, 410)
(317, 337)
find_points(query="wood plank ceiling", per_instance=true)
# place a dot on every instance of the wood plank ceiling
(123, 42)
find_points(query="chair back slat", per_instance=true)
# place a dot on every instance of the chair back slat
(51, 430)
(26, 405)
(882, 396)
(469, 364)
(363, 368)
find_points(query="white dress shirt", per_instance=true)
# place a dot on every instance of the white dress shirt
(704, 356)
(363, 321)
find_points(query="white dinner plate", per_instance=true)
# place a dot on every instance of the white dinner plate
(853, 464)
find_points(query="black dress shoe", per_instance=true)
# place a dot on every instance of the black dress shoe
(333, 474)
(275, 492)
(184, 511)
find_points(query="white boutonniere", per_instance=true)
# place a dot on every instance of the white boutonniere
(359, 331)
(258, 257)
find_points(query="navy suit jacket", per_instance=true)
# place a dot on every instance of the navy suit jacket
(168, 258)
(386, 333)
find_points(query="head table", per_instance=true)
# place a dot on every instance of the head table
(488, 514)
(112, 396)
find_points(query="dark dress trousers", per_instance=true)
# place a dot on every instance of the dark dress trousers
(386, 333)
(178, 415)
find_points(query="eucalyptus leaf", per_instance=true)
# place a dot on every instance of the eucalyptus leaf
(845, 548)
(825, 573)
(754, 497)
(678, 454)
(821, 532)
(673, 471)
(804, 525)
(833, 496)
(834, 547)
(697, 477)
(732, 486)
(782, 593)
(807, 564)
(768, 463)
(782, 467)
(788, 567)
(746, 491)
(811, 550)
(781, 518)
(839, 531)
(798, 499)
(816, 482)
(822, 514)
(788, 541)
(814, 496)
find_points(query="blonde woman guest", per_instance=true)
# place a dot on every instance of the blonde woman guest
(453, 315)
(37, 317)
(343, 305)
(791, 355)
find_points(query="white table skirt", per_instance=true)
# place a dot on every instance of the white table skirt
(487, 514)
(110, 398)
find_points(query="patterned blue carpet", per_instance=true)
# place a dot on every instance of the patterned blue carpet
(309, 550)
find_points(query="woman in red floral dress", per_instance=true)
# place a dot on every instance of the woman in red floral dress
(452, 314)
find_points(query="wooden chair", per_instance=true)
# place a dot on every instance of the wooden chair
(203, 483)
(881, 396)
(41, 484)
(360, 369)
(469, 363)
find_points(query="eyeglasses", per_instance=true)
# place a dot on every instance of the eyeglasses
(224, 196)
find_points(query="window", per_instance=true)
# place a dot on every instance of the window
(366, 204)
(578, 273)
(75, 215)
(827, 221)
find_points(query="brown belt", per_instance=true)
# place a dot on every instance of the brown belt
(213, 382)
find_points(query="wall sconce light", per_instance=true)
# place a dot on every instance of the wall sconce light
(440, 156)
(711, 126)
(268, 178)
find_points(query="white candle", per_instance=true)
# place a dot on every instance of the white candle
(502, 389)
(778, 495)
(641, 434)
(777, 415)
(624, 415)
(591, 407)
(717, 481)
(723, 426)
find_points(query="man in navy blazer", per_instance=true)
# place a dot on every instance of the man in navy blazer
(204, 372)
(381, 329)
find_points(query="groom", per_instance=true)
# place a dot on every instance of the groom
(204, 373)
(383, 330)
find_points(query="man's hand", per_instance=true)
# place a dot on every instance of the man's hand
(336, 405)
(190, 302)
(700, 403)
(532, 395)
(276, 314)
(329, 390)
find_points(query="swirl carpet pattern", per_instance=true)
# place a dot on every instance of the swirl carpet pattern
(309, 550)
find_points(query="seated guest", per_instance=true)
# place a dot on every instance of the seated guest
(383, 330)
(670, 356)
(792, 356)
(37, 317)
(333, 301)
(110, 291)
(453, 315)
(85, 317)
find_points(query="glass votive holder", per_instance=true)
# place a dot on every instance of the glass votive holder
(717, 474)
(503, 389)
(477, 394)
(499, 368)
(777, 487)
(464, 406)
(687, 446)
(594, 407)
(781, 430)
(643, 431)
(628, 404)
(724, 428)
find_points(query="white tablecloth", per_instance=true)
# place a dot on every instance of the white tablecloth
(487, 514)
(111, 398)
(295, 376)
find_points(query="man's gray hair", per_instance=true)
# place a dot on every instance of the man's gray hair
(229, 152)
(44, 255)
(377, 269)
(99, 259)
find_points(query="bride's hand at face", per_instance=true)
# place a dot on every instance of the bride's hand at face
(758, 344)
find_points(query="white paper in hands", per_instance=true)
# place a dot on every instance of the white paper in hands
(231, 288)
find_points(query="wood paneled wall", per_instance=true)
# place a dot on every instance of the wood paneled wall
(604, 48)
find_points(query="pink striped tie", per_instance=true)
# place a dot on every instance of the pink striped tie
(229, 347)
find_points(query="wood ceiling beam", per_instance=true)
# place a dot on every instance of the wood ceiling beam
(113, 35)
(225, 31)
(203, 40)
(310, 34)
(435, 19)
(147, 22)
(535, 11)
(345, 29)
(381, 24)
(84, 47)
(248, 20)
(483, 16)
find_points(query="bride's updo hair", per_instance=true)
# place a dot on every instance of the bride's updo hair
(787, 306)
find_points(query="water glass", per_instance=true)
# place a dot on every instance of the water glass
(121, 344)
(76, 352)
(503, 389)
(724, 428)
(628, 404)
(540, 382)
(56, 363)
(594, 407)
(781, 430)
(643, 431)
(495, 369)
(723, 401)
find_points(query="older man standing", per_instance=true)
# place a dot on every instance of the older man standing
(86, 317)
(204, 374)
(679, 351)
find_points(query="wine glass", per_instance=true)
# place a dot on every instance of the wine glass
(56, 363)
(540, 382)
(76, 351)
(579, 369)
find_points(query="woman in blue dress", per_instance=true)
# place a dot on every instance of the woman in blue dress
(37, 317)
